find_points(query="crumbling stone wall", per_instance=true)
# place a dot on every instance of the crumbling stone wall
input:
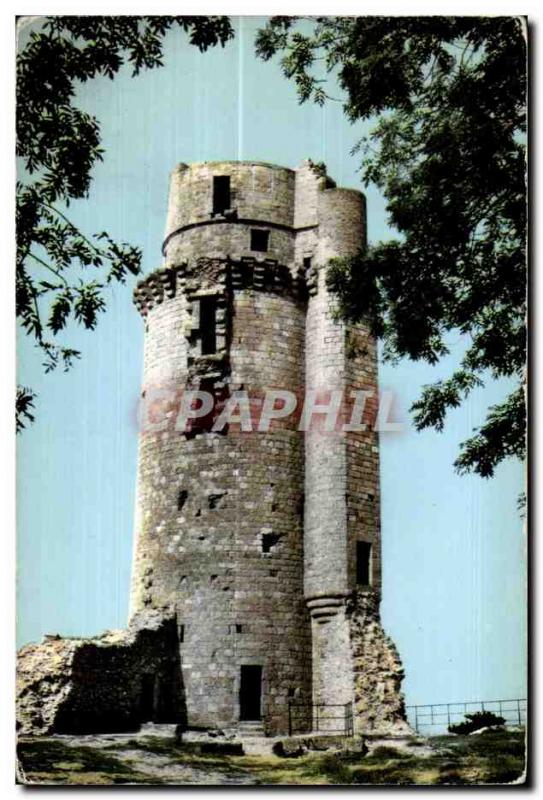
(99, 684)
(378, 700)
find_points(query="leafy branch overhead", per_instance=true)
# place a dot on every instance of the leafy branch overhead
(62, 274)
(447, 150)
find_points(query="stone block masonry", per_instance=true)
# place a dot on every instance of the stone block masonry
(264, 547)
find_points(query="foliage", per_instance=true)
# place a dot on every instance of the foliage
(62, 274)
(476, 721)
(24, 403)
(447, 95)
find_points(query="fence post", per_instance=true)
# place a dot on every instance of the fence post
(417, 719)
(518, 710)
(348, 714)
(448, 715)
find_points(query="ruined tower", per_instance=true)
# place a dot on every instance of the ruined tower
(264, 542)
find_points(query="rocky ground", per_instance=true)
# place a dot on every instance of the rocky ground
(490, 758)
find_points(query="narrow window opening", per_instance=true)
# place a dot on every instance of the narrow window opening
(181, 634)
(363, 561)
(291, 692)
(208, 325)
(182, 499)
(239, 628)
(300, 507)
(307, 263)
(221, 193)
(259, 240)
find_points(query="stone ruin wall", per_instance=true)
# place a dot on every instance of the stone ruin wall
(95, 685)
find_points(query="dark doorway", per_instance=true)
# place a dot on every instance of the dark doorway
(147, 698)
(250, 691)
(165, 703)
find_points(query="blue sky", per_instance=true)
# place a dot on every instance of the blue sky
(453, 547)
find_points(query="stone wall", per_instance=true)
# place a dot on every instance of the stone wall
(219, 524)
(262, 196)
(112, 682)
(378, 700)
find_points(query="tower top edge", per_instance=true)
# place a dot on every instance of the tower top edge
(319, 170)
(231, 163)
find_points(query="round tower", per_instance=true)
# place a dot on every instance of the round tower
(264, 539)
(219, 513)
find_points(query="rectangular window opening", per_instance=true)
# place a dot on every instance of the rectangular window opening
(259, 240)
(307, 263)
(208, 325)
(221, 193)
(363, 563)
(181, 630)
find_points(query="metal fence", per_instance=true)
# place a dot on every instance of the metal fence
(434, 715)
(321, 717)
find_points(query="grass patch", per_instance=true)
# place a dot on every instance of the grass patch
(491, 758)
(50, 761)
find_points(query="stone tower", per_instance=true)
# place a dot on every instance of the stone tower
(264, 542)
